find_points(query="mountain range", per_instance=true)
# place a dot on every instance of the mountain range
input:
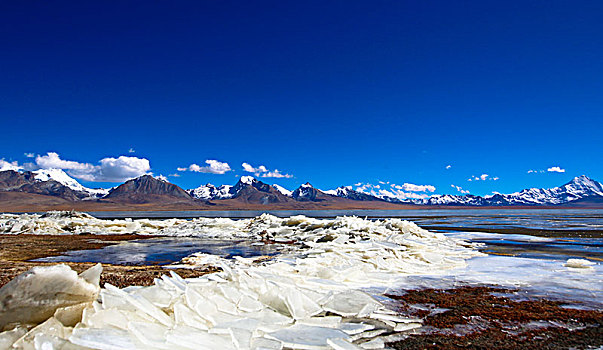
(47, 189)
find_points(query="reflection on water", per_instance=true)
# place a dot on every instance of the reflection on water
(526, 246)
(164, 250)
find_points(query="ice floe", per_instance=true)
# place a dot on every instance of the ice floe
(309, 298)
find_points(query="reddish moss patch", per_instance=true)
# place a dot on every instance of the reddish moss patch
(501, 320)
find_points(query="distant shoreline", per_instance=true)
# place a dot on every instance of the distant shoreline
(393, 207)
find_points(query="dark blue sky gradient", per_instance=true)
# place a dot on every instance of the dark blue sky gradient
(333, 92)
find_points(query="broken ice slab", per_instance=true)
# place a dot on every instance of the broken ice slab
(142, 304)
(373, 344)
(301, 336)
(34, 296)
(150, 334)
(393, 318)
(192, 338)
(341, 344)
(105, 338)
(265, 344)
(70, 315)
(51, 327)
(351, 303)
(403, 327)
(8, 338)
(324, 321)
(355, 328)
(579, 263)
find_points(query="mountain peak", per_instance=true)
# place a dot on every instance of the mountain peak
(583, 179)
(146, 185)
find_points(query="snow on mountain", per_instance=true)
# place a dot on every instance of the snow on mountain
(61, 177)
(579, 188)
(305, 192)
(349, 193)
(247, 180)
(211, 192)
(282, 190)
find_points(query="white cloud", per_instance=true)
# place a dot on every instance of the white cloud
(448, 166)
(52, 161)
(555, 169)
(276, 174)
(174, 175)
(483, 177)
(401, 192)
(162, 178)
(417, 188)
(248, 168)
(460, 189)
(6, 165)
(29, 155)
(109, 169)
(120, 169)
(262, 171)
(213, 167)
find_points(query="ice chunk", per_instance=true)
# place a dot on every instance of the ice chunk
(70, 315)
(403, 327)
(393, 318)
(324, 321)
(373, 344)
(105, 338)
(50, 342)
(307, 337)
(51, 327)
(355, 328)
(351, 303)
(341, 344)
(192, 338)
(8, 338)
(266, 344)
(579, 263)
(35, 295)
(151, 334)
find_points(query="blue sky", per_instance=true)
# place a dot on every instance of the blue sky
(334, 93)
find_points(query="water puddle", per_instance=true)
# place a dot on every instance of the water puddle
(166, 250)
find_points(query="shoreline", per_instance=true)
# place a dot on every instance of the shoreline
(18, 251)
(390, 207)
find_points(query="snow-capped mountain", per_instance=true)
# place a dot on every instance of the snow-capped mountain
(61, 177)
(210, 192)
(50, 181)
(308, 193)
(247, 189)
(251, 190)
(305, 192)
(580, 188)
(349, 193)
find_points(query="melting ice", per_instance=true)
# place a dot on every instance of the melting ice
(313, 297)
